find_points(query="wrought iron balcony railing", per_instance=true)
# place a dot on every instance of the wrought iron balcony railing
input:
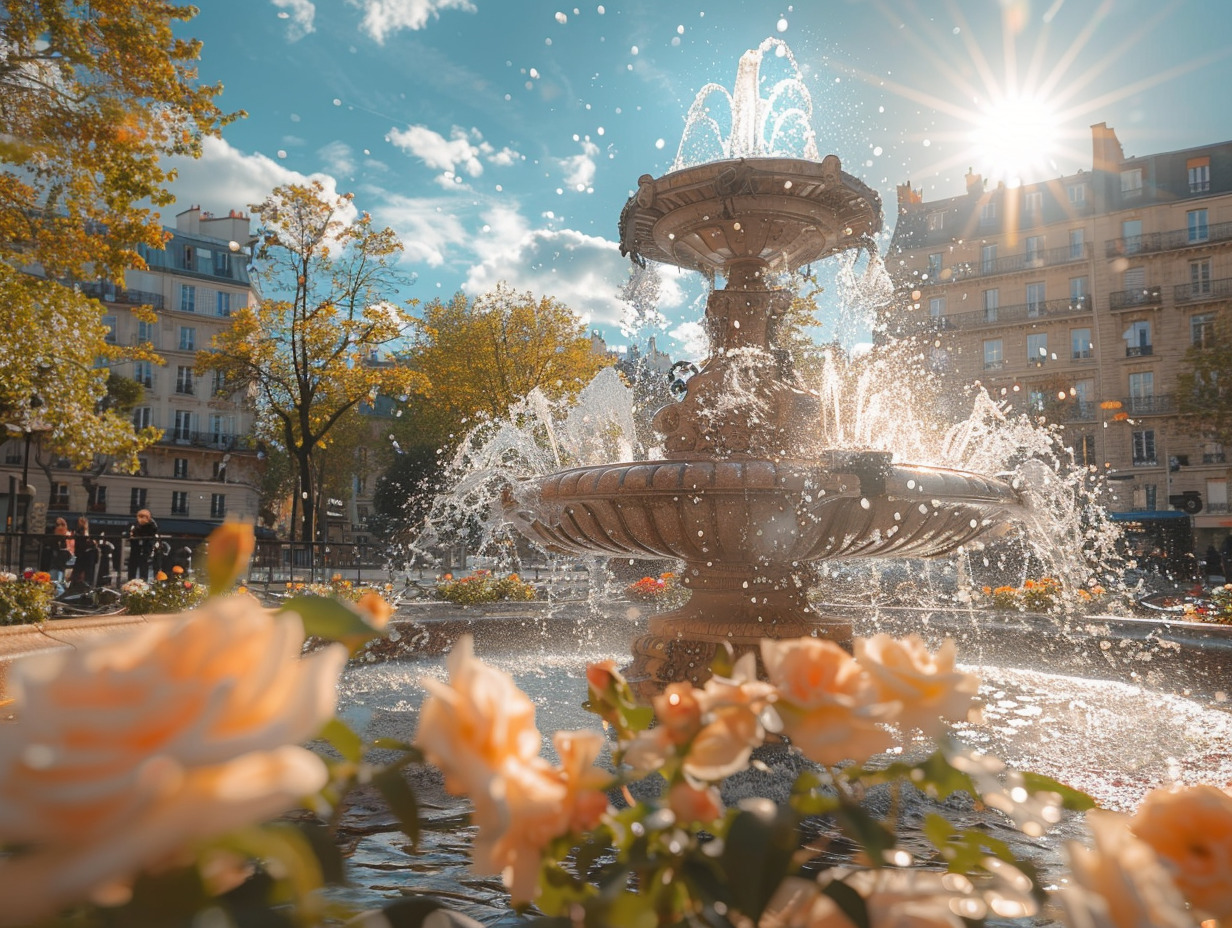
(1203, 291)
(1156, 404)
(1001, 315)
(1152, 242)
(1140, 296)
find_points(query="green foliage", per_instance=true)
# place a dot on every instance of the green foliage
(25, 600)
(162, 595)
(1203, 387)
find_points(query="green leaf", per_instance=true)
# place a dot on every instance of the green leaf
(402, 801)
(326, 617)
(345, 741)
(866, 831)
(395, 744)
(757, 854)
(850, 902)
(1072, 799)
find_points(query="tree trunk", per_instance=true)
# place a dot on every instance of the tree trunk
(307, 497)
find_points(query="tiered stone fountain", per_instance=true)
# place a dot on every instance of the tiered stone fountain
(744, 496)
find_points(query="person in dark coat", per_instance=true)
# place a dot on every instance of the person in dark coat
(1214, 562)
(85, 549)
(142, 537)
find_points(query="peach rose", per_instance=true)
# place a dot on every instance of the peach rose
(228, 551)
(678, 710)
(375, 608)
(694, 804)
(1120, 882)
(927, 685)
(130, 747)
(731, 709)
(479, 729)
(1191, 831)
(826, 702)
(894, 899)
(585, 784)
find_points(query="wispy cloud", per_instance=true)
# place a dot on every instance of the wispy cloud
(385, 17)
(464, 152)
(431, 229)
(338, 158)
(299, 15)
(579, 169)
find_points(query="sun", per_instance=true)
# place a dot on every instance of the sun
(1014, 139)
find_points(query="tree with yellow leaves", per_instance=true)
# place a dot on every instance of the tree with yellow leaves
(92, 97)
(482, 356)
(318, 345)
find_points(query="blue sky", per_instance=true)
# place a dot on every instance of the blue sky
(501, 138)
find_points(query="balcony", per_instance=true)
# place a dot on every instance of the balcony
(1129, 299)
(1155, 242)
(216, 440)
(1205, 291)
(1215, 457)
(1010, 264)
(1158, 404)
(121, 295)
(994, 365)
(1002, 315)
(1139, 351)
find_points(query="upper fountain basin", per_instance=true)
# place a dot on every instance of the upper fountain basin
(774, 213)
(765, 514)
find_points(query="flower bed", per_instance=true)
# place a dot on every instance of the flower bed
(1043, 595)
(162, 595)
(25, 600)
(481, 586)
(664, 590)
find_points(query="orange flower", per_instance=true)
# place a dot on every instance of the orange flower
(177, 569)
(41, 576)
(228, 551)
(731, 716)
(160, 576)
(376, 608)
(1191, 830)
(585, 784)
(694, 804)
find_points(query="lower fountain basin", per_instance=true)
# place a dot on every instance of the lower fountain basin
(770, 515)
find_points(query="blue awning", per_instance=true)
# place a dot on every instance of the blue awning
(1148, 515)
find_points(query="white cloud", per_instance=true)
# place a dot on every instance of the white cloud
(383, 17)
(579, 170)
(464, 152)
(299, 15)
(584, 272)
(692, 339)
(430, 229)
(225, 178)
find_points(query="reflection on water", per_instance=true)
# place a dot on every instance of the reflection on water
(1112, 739)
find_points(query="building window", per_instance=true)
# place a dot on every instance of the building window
(143, 417)
(1150, 496)
(988, 259)
(1201, 330)
(97, 498)
(1077, 289)
(992, 299)
(1035, 399)
(1035, 298)
(1199, 278)
(1035, 250)
(1084, 450)
(988, 212)
(136, 499)
(179, 469)
(1138, 339)
(1033, 203)
(934, 264)
(222, 305)
(1084, 396)
(148, 332)
(1141, 392)
(1077, 194)
(222, 428)
(189, 260)
(1144, 447)
(188, 298)
(12, 453)
(218, 505)
(1080, 344)
(936, 307)
(188, 338)
(1077, 244)
(182, 430)
(1196, 225)
(179, 502)
(993, 357)
(222, 264)
(936, 222)
(1131, 236)
(1037, 348)
(143, 373)
(110, 323)
(1131, 183)
(183, 379)
(1199, 174)
(58, 497)
(220, 470)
